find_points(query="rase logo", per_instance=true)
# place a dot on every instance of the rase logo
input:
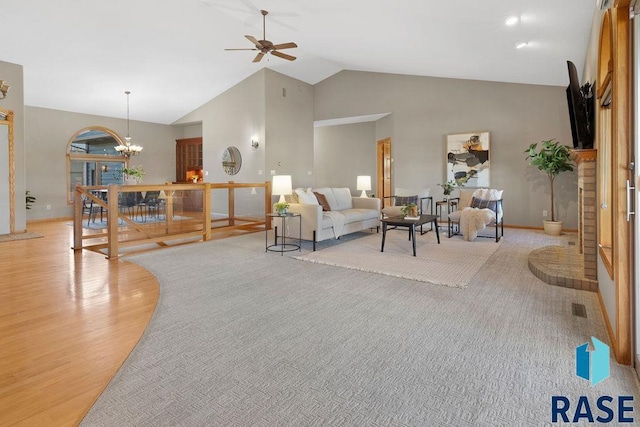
(594, 367)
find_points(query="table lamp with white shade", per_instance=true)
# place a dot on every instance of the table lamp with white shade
(281, 185)
(363, 183)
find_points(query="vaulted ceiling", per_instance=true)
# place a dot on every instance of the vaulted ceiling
(81, 55)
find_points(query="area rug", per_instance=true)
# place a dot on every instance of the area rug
(453, 262)
(20, 236)
(103, 224)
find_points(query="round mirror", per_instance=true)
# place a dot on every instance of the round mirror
(231, 160)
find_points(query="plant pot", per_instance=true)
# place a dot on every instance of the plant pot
(552, 228)
(130, 180)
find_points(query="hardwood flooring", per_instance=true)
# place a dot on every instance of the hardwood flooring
(68, 320)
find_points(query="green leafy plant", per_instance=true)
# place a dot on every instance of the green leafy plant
(448, 187)
(135, 171)
(406, 210)
(552, 158)
(30, 199)
(281, 207)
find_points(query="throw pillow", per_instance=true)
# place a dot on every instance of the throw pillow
(306, 197)
(484, 204)
(322, 200)
(343, 199)
(465, 198)
(405, 200)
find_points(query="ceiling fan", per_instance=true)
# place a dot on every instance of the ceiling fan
(264, 46)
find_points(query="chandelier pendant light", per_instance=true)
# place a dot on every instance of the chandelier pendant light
(128, 150)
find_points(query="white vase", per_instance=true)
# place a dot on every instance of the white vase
(130, 180)
(552, 228)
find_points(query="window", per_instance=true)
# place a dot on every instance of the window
(92, 159)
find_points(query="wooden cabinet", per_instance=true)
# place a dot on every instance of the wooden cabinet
(188, 159)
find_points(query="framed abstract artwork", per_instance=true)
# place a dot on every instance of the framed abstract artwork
(468, 159)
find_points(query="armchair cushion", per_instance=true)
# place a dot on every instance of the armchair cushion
(424, 192)
(390, 211)
(405, 200)
(484, 204)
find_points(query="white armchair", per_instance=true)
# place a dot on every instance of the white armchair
(477, 209)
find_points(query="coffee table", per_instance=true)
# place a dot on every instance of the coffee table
(398, 221)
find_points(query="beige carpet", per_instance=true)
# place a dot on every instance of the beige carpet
(242, 337)
(453, 262)
(19, 236)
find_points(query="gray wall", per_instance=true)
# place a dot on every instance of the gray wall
(426, 109)
(343, 152)
(258, 108)
(47, 135)
(233, 119)
(289, 128)
(12, 75)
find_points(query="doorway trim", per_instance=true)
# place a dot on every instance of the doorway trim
(6, 118)
(384, 174)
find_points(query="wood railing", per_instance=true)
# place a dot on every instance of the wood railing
(131, 225)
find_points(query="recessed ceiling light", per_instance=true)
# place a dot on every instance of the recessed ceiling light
(512, 20)
(521, 45)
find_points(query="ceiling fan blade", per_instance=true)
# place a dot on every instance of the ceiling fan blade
(289, 45)
(258, 57)
(255, 41)
(244, 49)
(283, 55)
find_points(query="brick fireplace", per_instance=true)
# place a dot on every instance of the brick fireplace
(587, 201)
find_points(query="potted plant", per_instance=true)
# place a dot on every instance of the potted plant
(134, 173)
(411, 209)
(448, 187)
(551, 158)
(281, 207)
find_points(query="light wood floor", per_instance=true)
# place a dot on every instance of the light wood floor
(68, 320)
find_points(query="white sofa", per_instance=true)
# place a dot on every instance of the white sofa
(347, 215)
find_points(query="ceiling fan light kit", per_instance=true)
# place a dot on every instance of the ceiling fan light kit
(265, 46)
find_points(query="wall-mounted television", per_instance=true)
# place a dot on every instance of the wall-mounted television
(581, 110)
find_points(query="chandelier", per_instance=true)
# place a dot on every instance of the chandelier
(128, 150)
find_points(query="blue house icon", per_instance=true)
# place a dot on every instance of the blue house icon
(593, 365)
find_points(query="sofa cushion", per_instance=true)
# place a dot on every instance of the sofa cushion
(351, 216)
(328, 193)
(343, 199)
(322, 201)
(306, 197)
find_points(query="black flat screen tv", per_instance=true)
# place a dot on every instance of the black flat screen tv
(580, 101)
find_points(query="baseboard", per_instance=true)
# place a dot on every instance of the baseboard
(607, 323)
(528, 227)
(36, 221)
